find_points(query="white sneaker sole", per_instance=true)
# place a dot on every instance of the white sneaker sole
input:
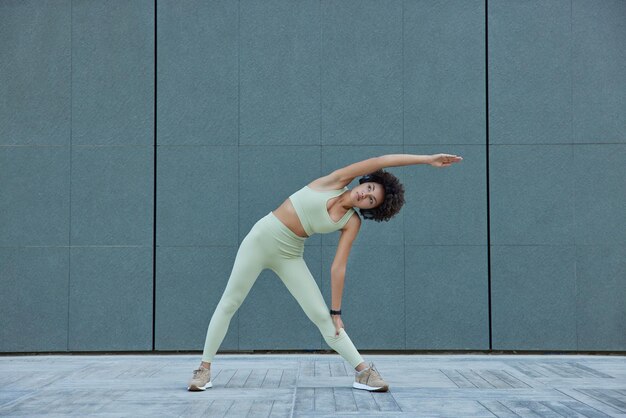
(358, 385)
(194, 388)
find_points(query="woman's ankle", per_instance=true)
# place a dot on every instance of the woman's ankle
(360, 367)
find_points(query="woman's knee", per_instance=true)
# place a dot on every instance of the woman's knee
(229, 306)
(332, 339)
(319, 316)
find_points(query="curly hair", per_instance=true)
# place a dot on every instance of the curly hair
(394, 196)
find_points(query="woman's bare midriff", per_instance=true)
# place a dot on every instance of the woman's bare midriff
(287, 215)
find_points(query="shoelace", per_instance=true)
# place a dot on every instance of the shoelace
(375, 370)
(195, 372)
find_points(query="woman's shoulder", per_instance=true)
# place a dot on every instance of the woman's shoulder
(326, 183)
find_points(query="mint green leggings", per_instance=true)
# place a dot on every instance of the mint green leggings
(271, 245)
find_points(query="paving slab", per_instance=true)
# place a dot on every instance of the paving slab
(314, 385)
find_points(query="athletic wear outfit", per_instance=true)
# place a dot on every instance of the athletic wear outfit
(270, 244)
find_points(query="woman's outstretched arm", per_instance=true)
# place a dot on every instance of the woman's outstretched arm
(370, 165)
(438, 160)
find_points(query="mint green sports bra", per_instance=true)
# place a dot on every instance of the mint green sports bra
(310, 205)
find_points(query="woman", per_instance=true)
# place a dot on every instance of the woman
(276, 242)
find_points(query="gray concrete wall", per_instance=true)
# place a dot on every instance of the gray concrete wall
(227, 107)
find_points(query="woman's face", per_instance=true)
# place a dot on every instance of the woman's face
(367, 195)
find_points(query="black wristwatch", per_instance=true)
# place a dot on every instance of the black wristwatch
(335, 312)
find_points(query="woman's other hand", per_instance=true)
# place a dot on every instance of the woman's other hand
(444, 160)
(338, 323)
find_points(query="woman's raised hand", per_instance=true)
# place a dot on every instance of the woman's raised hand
(444, 160)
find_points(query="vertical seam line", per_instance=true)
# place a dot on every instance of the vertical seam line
(321, 343)
(238, 143)
(154, 200)
(69, 247)
(403, 217)
(487, 172)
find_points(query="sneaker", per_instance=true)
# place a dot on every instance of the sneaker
(370, 379)
(201, 380)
